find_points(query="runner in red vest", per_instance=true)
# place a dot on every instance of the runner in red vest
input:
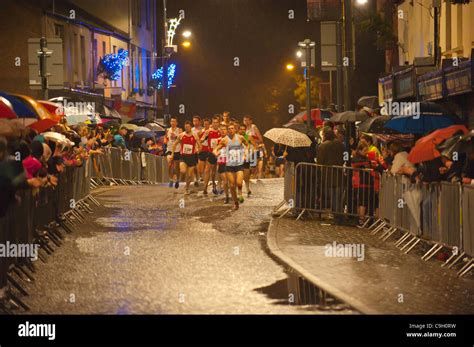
(190, 147)
(209, 139)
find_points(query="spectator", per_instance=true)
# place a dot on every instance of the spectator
(331, 153)
(400, 163)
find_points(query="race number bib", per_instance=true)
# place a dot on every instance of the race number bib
(233, 155)
(214, 143)
(188, 149)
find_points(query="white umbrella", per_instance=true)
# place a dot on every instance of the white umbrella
(288, 137)
(142, 129)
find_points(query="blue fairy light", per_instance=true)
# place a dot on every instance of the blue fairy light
(112, 64)
(157, 76)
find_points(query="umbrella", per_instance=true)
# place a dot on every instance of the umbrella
(111, 113)
(425, 148)
(43, 125)
(6, 128)
(318, 116)
(142, 129)
(53, 108)
(40, 111)
(138, 121)
(457, 144)
(6, 109)
(57, 137)
(428, 117)
(288, 137)
(302, 128)
(112, 124)
(144, 134)
(403, 139)
(375, 125)
(129, 126)
(349, 116)
(371, 102)
(22, 110)
(154, 127)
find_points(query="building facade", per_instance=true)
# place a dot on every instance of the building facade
(435, 48)
(89, 30)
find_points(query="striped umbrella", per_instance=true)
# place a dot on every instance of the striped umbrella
(6, 109)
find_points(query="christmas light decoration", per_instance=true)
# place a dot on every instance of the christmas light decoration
(157, 76)
(172, 29)
(111, 64)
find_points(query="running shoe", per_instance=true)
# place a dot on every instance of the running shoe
(214, 189)
(361, 223)
(236, 206)
(249, 193)
(170, 184)
(196, 183)
(221, 191)
(176, 185)
(204, 193)
(241, 199)
(226, 200)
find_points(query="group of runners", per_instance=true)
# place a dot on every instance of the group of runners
(221, 152)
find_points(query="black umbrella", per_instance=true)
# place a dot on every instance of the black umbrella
(302, 128)
(368, 101)
(459, 143)
(349, 116)
(376, 125)
(155, 127)
(144, 134)
(110, 113)
(139, 121)
(112, 124)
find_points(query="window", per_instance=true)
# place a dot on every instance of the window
(132, 69)
(140, 70)
(137, 12)
(83, 61)
(148, 12)
(104, 52)
(148, 71)
(95, 61)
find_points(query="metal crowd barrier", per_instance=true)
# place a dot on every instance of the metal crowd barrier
(339, 190)
(439, 212)
(117, 164)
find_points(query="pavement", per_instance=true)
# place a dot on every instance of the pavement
(153, 250)
(382, 281)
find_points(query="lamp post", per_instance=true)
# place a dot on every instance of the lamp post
(308, 45)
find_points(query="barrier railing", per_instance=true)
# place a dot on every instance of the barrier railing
(339, 190)
(436, 212)
(36, 219)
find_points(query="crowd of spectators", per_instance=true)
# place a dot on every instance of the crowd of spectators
(31, 160)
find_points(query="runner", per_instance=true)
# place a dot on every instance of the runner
(235, 145)
(221, 165)
(197, 129)
(250, 157)
(171, 136)
(252, 131)
(225, 118)
(190, 146)
(209, 140)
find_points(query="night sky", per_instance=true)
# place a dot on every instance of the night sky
(259, 32)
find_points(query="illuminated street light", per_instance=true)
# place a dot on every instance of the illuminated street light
(186, 44)
(299, 54)
(290, 67)
(362, 2)
(187, 34)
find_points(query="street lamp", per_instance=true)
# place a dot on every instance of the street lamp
(290, 67)
(361, 2)
(186, 44)
(308, 45)
(299, 54)
(187, 34)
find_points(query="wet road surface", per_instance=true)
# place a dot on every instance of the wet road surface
(150, 249)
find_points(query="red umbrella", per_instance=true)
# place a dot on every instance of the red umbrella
(56, 110)
(43, 125)
(425, 148)
(6, 109)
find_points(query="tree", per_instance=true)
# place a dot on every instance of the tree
(300, 90)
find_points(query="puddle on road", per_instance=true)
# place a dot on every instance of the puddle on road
(295, 290)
